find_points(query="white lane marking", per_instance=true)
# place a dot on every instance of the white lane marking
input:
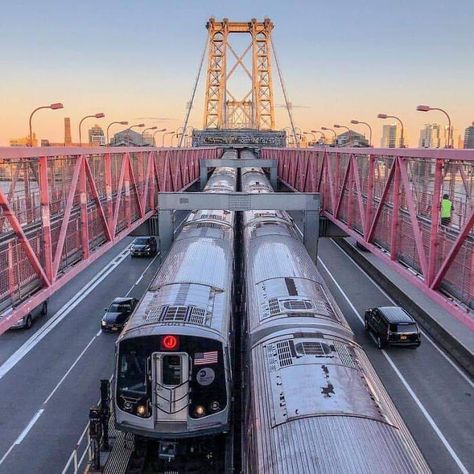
(23, 434)
(29, 426)
(143, 273)
(425, 335)
(69, 370)
(423, 410)
(55, 320)
(99, 332)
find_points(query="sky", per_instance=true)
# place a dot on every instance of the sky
(138, 59)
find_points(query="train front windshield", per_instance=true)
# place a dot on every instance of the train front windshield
(204, 369)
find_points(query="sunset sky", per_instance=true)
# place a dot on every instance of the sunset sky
(138, 59)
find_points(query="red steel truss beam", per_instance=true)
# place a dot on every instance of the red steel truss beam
(391, 199)
(89, 195)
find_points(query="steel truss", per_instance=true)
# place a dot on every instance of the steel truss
(361, 188)
(256, 109)
(62, 208)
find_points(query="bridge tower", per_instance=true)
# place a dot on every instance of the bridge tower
(256, 109)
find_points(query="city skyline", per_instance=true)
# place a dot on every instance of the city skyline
(338, 63)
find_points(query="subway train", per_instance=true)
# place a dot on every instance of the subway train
(173, 373)
(313, 402)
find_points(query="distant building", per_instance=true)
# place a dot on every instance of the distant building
(430, 136)
(148, 139)
(389, 137)
(67, 132)
(127, 138)
(351, 139)
(96, 136)
(24, 141)
(469, 137)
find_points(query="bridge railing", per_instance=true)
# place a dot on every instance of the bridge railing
(61, 208)
(389, 200)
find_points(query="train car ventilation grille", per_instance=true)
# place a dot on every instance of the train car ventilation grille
(312, 348)
(197, 316)
(284, 354)
(346, 354)
(177, 314)
(290, 306)
(174, 314)
(208, 225)
(297, 304)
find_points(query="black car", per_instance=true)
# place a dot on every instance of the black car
(117, 314)
(143, 246)
(392, 326)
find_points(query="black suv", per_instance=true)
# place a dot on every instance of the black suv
(392, 326)
(143, 246)
(117, 314)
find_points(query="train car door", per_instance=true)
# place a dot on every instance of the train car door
(171, 385)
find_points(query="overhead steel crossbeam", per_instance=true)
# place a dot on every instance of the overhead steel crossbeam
(222, 109)
(65, 207)
(389, 200)
(257, 163)
(309, 203)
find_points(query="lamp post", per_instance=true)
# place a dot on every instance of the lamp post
(357, 122)
(98, 115)
(385, 116)
(311, 133)
(138, 125)
(330, 130)
(112, 123)
(323, 137)
(143, 133)
(163, 138)
(347, 128)
(55, 106)
(158, 131)
(427, 108)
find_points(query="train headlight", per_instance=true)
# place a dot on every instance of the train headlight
(199, 411)
(141, 410)
(215, 406)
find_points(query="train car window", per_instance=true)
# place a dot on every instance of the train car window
(132, 373)
(172, 370)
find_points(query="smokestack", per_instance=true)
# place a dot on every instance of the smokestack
(67, 131)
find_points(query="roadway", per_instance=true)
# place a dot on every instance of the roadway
(434, 397)
(49, 376)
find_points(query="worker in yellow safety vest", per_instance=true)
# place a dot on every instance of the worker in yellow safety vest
(447, 209)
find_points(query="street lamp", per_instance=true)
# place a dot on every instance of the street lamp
(98, 115)
(323, 137)
(385, 116)
(55, 106)
(112, 123)
(146, 129)
(310, 133)
(330, 130)
(347, 128)
(427, 108)
(158, 131)
(163, 138)
(357, 122)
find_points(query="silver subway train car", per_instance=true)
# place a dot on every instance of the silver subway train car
(173, 370)
(313, 401)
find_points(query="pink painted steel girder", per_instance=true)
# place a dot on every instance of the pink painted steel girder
(389, 201)
(88, 199)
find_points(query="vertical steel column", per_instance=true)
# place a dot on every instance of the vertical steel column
(108, 189)
(395, 210)
(165, 231)
(435, 211)
(370, 196)
(28, 200)
(128, 207)
(45, 216)
(83, 203)
(11, 273)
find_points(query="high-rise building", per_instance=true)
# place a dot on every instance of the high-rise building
(351, 139)
(127, 137)
(469, 137)
(389, 137)
(96, 136)
(430, 136)
(67, 131)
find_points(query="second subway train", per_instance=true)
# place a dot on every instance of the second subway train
(312, 403)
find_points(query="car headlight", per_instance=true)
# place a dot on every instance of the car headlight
(103, 323)
(199, 411)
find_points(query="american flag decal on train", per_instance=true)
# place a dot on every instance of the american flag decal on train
(203, 358)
